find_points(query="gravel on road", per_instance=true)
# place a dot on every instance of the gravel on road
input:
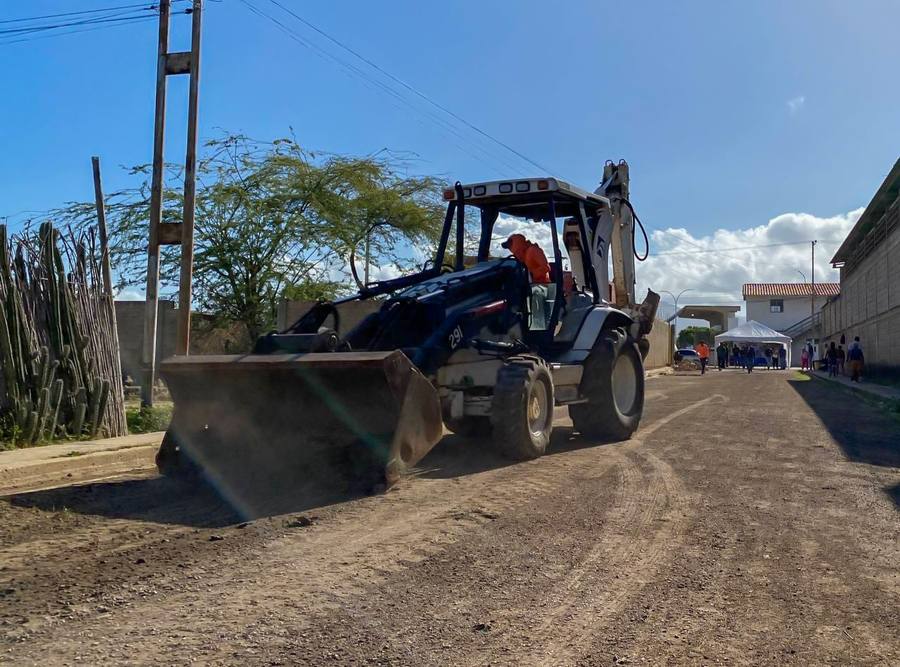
(753, 519)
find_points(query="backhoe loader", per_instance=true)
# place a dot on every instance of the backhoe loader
(459, 344)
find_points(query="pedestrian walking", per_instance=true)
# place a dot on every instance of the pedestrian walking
(804, 359)
(782, 357)
(857, 359)
(768, 355)
(722, 355)
(810, 356)
(831, 357)
(751, 358)
(841, 357)
(703, 352)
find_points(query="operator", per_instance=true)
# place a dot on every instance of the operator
(531, 255)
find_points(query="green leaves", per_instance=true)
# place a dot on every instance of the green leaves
(275, 219)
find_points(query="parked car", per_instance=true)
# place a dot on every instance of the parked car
(687, 356)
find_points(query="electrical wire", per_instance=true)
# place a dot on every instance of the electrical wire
(29, 29)
(354, 71)
(379, 85)
(95, 21)
(415, 91)
(737, 249)
(81, 12)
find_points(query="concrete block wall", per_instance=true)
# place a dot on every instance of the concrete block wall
(130, 325)
(869, 305)
(661, 346)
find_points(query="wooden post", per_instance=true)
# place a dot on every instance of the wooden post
(183, 345)
(156, 202)
(101, 225)
(107, 269)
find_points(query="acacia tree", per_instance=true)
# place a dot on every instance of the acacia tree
(273, 219)
(691, 335)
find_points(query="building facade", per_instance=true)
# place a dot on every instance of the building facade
(790, 309)
(869, 262)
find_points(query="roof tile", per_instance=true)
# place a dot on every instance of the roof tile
(789, 289)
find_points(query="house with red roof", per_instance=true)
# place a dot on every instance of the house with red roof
(793, 309)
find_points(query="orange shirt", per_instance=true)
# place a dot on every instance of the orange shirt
(534, 258)
(702, 350)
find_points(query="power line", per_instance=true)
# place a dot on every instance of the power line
(355, 71)
(110, 20)
(379, 85)
(414, 90)
(741, 248)
(81, 12)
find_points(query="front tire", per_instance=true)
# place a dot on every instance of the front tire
(613, 384)
(522, 408)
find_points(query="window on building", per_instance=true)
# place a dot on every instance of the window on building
(776, 305)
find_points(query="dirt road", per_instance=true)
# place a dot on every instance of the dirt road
(754, 519)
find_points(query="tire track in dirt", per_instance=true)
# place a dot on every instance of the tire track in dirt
(650, 517)
(327, 564)
(445, 510)
(650, 512)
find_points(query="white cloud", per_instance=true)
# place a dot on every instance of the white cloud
(536, 232)
(129, 295)
(715, 266)
(796, 103)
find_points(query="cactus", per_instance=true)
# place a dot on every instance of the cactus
(80, 411)
(57, 366)
(30, 427)
(98, 407)
(43, 412)
(58, 389)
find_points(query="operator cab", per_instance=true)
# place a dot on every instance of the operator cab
(554, 310)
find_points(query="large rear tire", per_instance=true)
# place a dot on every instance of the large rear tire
(613, 384)
(522, 408)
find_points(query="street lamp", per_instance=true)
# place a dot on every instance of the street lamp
(675, 299)
(802, 274)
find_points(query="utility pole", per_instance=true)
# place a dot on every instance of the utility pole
(812, 291)
(190, 190)
(160, 234)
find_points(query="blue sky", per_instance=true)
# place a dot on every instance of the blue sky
(731, 114)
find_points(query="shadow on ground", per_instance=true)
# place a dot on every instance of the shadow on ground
(157, 500)
(196, 503)
(865, 433)
(455, 456)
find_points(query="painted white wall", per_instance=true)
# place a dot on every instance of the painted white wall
(796, 308)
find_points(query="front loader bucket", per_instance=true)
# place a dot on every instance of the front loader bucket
(286, 427)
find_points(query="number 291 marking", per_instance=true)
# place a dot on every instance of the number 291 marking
(455, 338)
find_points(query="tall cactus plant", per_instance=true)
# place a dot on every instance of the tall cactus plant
(58, 354)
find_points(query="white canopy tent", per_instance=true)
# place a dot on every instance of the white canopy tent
(756, 333)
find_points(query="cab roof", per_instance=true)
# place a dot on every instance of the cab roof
(516, 196)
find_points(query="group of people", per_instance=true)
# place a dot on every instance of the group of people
(744, 356)
(835, 359)
(741, 356)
